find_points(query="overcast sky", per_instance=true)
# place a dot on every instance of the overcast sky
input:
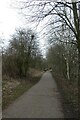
(10, 19)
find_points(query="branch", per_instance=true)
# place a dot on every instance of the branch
(65, 4)
(67, 24)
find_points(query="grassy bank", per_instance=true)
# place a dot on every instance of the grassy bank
(13, 88)
(69, 93)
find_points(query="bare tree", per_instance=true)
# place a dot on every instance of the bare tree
(18, 55)
(67, 12)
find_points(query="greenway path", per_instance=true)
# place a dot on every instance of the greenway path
(41, 101)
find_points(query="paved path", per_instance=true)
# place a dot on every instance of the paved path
(41, 101)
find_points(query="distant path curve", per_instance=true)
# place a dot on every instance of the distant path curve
(40, 101)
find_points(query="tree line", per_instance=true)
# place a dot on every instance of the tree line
(62, 13)
(64, 40)
(22, 53)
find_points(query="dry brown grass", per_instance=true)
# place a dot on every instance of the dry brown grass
(69, 91)
(34, 73)
(13, 88)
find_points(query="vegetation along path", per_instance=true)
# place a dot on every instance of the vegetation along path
(41, 101)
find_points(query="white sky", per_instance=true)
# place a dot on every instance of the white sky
(10, 19)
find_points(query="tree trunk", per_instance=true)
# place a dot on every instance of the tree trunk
(77, 28)
(79, 80)
(67, 65)
(79, 63)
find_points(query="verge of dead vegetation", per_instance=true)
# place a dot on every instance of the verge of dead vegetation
(69, 93)
(13, 88)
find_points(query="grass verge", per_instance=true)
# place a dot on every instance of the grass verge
(69, 96)
(12, 89)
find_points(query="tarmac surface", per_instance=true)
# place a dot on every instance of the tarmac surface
(43, 100)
